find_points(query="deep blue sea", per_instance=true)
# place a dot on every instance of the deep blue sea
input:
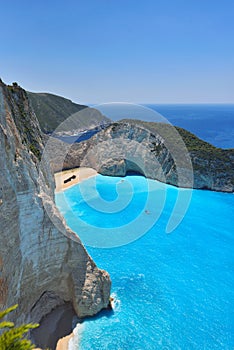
(172, 291)
(213, 123)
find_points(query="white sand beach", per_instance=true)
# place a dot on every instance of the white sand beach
(63, 343)
(79, 174)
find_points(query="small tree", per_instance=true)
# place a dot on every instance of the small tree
(13, 337)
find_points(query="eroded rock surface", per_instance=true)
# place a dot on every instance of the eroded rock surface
(40, 266)
(158, 151)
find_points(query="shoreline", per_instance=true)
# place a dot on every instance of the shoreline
(83, 173)
(63, 343)
(77, 175)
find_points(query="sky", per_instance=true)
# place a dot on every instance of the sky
(138, 51)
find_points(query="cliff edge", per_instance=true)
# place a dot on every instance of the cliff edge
(40, 267)
(156, 150)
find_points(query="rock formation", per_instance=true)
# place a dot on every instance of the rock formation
(41, 268)
(156, 150)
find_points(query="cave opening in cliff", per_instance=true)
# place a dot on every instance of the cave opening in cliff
(133, 169)
(134, 173)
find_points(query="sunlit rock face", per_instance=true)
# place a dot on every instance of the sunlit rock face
(157, 151)
(41, 266)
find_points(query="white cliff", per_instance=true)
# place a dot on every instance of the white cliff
(41, 268)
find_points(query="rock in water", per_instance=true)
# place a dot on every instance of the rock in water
(40, 267)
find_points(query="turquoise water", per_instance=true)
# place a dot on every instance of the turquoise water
(172, 291)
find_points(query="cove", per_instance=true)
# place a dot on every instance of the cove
(172, 291)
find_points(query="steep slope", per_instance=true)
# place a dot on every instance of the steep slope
(155, 150)
(41, 267)
(213, 167)
(51, 110)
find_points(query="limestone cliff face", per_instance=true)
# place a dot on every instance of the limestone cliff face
(214, 174)
(40, 267)
(158, 152)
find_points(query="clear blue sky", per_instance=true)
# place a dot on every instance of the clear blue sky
(94, 51)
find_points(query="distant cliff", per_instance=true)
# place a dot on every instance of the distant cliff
(51, 110)
(147, 148)
(40, 267)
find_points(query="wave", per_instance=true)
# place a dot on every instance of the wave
(74, 341)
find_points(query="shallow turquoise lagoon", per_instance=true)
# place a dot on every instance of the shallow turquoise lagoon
(172, 291)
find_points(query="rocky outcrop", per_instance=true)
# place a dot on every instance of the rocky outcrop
(155, 150)
(42, 265)
(216, 174)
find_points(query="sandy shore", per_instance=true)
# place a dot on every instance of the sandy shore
(64, 342)
(79, 173)
(54, 328)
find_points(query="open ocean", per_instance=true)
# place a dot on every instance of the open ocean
(212, 123)
(172, 291)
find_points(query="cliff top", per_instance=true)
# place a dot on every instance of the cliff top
(51, 110)
(192, 142)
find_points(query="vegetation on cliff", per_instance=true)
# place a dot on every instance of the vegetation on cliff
(30, 132)
(203, 154)
(12, 337)
(192, 142)
(51, 110)
(31, 227)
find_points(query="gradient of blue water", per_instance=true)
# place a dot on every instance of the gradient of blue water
(172, 291)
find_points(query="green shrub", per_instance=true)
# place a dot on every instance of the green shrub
(35, 151)
(12, 337)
